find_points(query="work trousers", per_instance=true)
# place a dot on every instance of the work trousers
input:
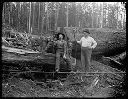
(85, 58)
(59, 54)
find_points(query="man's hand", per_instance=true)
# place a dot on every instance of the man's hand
(91, 47)
(78, 41)
(64, 56)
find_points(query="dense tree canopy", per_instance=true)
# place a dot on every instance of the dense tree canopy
(41, 17)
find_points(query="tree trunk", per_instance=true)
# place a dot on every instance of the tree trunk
(117, 16)
(30, 17)
(55, 28)
(3, 13)
(31, 57)
(47, 16)
(18, 7)
(67, 16)
(92, 13)
(9, 14)
(124, 20)
(33, 23)
(43, 17)
(57, 13)
(39, 19)
(101, 23)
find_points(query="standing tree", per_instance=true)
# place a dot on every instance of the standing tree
(30, 8)
(62, 15)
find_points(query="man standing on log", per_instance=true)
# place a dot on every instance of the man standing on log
(61, 50)
(87, 44)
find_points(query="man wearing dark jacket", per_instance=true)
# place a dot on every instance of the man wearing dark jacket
(61, 50)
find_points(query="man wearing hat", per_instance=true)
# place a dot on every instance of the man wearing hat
(61, 49)
(87, 44)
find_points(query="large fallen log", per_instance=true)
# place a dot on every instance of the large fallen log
(119, 61)
(109, 59)
(120, 57)
(110, 42)
(19, 51)
(5, 42)
(20, 55)
(28, 58)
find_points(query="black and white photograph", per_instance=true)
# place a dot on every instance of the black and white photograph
(64, 49)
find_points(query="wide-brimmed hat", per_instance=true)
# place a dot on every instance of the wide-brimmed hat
(61, 34)
(86, 30)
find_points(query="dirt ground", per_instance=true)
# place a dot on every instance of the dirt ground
(106, 85)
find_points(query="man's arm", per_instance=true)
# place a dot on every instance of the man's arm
(55, 43)
(94, 43)
(47, 46)
(65, 45)
(80, 41)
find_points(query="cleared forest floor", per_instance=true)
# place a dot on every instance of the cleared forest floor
(108, 82)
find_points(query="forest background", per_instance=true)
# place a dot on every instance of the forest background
(42, 17)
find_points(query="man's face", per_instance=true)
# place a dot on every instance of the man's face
(48, 38)
(61, 36)
(55, 39)
(85, 34)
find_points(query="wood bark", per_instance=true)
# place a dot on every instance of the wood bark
(14, 55)
(24, 58)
